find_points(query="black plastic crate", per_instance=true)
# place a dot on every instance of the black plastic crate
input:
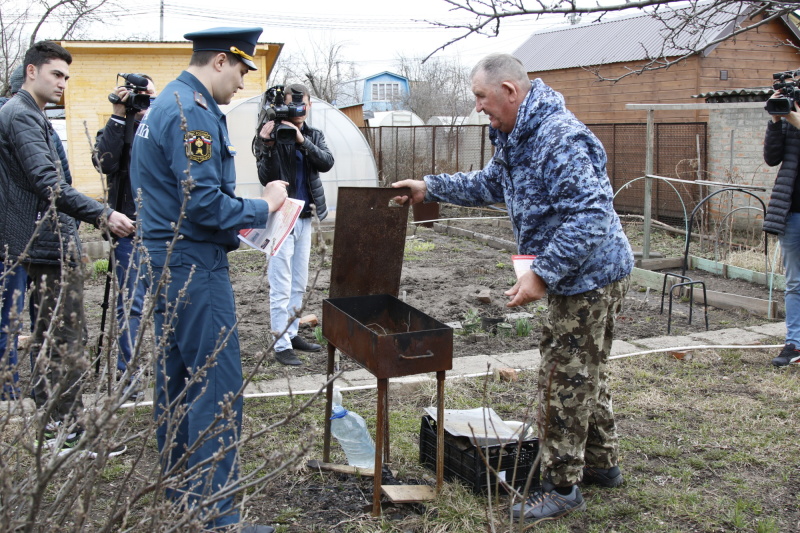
(468, 465)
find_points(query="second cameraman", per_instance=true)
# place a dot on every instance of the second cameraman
(112, 158)
(299, 164)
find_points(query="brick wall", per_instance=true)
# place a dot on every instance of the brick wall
(735, 155)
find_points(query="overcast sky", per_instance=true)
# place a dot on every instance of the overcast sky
(374, 32)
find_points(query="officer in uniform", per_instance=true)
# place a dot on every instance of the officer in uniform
(199, 373)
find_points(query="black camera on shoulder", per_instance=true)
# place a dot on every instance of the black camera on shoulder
(274, 107)
(788, 85)
(138, 99)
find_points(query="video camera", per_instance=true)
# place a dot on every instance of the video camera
(276, 109)
(138, 99)
(788, 85)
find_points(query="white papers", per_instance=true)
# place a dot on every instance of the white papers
(482, 425)
(279, 226)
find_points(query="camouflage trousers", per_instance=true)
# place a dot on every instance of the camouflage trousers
(576, 420)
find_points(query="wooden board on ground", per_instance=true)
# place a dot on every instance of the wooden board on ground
(725, 300)
(659, 264)
(340, 469)
(409, 493)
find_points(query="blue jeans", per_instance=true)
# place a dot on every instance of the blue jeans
(14, 285)
(288, 275)
(130, 298)
(790, 243)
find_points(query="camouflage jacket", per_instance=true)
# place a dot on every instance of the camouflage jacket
(551, 173)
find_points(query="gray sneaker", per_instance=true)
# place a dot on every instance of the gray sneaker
(547, 504)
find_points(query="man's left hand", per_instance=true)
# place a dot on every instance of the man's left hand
(298, 138)
(529, 288)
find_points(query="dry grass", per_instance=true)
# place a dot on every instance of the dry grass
(706, 445)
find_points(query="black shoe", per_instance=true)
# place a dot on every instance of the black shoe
(790, 355)
(299, 343)
(604, 477)
(547, 504)
(287, 357)
(252, 528)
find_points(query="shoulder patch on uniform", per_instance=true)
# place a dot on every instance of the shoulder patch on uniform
(200, 100)
(198, 145)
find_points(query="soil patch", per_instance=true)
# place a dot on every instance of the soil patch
(442, 276)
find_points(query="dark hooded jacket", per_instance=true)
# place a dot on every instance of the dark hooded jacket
(113, 160)
(31, 178)
(277, 162)
(782, 146)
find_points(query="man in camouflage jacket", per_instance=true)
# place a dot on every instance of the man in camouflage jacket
(550, 171)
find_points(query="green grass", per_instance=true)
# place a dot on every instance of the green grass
(414, 248)
(99, 268)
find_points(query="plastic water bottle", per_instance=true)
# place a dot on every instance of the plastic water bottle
(351, 432)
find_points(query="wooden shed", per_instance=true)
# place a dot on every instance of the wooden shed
(93, 72)
(568, 59)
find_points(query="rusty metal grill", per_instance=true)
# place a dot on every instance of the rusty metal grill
(365, 320)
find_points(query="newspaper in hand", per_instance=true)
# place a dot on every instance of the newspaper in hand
(279, 226)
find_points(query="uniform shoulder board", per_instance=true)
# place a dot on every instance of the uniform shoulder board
(200, 100)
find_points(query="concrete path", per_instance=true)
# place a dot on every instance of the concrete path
(476, 365)
(761, 336)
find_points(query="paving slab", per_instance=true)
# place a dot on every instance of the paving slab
(668, 341)
(311, 382)
(529, 359)
(772, 329)
(472, 364)
(622, 348)
(730, 336)
(360, 374)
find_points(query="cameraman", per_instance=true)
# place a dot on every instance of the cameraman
(112, 154)
(782, 145)
(299, 164)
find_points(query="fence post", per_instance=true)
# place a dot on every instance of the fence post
(648, 184)
(433, 151)
(483, 144)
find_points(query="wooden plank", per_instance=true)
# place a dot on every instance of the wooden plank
(648, 278)
(724, 300)
(340, 469)
(707, 265)
(734, 272)
(409, 493)
(660, 264)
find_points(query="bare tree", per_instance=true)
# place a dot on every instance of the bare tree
(45, 486)
(22, 23)
(321, 68)
(688, 27)
(439, 87)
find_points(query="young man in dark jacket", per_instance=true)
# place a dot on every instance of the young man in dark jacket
(112, 156)
(46, 240)
(299, 164)
(782, 146)
(14, 284)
